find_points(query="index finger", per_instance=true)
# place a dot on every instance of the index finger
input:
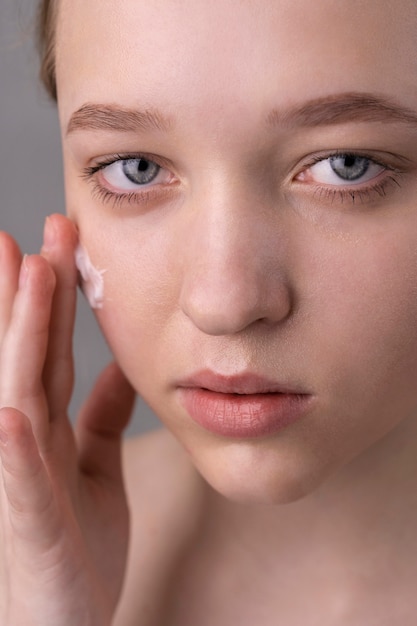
(59, 247)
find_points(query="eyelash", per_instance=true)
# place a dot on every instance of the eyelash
(144, 196)
(328, 193)
(363, 193)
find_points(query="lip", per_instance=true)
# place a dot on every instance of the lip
(242, 406)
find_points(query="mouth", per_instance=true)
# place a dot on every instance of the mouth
(242, 406)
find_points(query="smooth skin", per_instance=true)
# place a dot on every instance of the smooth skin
(238, 258)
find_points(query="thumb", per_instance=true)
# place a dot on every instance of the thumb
(101, 422)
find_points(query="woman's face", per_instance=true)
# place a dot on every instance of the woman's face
(246, 174)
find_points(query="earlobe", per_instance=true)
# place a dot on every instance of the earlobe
(92, 281)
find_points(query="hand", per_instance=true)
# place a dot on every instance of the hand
(63, 511)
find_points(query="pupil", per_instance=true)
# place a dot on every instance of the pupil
(142, 165)
(350, 160)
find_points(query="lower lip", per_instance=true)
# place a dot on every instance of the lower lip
(243, 416)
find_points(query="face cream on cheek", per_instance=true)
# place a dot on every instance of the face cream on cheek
(92, 278)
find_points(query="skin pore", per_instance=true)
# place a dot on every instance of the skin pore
(245, 253)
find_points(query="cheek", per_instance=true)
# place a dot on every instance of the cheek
(140, 287)
(369, 312)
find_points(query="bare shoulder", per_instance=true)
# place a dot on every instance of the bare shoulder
(165, 495)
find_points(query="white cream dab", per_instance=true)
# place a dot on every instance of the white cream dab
(93, 283)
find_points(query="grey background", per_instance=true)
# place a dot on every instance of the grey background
(31, 179)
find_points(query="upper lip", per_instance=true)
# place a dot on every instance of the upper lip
(246, 383)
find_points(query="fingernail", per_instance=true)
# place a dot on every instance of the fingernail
(49, 234)
(24, 272)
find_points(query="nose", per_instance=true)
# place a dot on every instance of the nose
(234, 268)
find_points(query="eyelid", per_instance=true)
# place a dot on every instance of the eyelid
(389, 161)
(362, 193)
(100, 163)
(143, 194)
(317, 172)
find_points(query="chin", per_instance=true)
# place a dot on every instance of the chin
(256, 492)
(261, 479)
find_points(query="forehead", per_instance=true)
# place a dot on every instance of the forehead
(196, 55)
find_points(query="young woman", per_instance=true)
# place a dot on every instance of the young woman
(241, 185)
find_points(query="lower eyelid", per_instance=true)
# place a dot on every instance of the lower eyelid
(360, 195)
(115, 198)
(142, 196)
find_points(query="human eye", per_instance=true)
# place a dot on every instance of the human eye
(349, 175)
(346, 169)
(129, 178)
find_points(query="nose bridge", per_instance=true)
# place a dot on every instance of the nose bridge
(234, 269)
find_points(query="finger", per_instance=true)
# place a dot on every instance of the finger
(10, 260)
(101, 422)
(32, 513)
(24, 347)
(59, 244)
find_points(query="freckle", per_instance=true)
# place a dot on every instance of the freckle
(92, 278)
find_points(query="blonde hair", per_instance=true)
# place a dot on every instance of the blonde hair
(46, 29)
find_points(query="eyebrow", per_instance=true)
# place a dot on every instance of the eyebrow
(114, 118)
(334, 109)
(343, 108)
